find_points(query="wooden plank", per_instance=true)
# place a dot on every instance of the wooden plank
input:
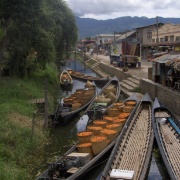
(161, 114)
(37, 101)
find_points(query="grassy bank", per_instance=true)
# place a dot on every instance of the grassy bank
(20, 153)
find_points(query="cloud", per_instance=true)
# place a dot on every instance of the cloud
(110, 9)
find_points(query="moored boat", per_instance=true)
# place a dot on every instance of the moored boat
(167, 133)
(131, 154)
(105, 99)
(65, 80)
(72, 105)
(84, 77)
(92, 146)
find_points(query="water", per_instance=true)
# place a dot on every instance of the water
(62, 137)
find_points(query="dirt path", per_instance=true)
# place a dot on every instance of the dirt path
(138, 72)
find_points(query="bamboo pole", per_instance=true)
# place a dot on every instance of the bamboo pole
(46, 105)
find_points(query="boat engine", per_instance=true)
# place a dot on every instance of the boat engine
(59, 169)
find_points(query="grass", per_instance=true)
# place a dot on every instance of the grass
(136, 89)
(20, 154)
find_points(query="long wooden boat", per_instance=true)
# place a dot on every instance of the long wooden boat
(72, 105)
(167, 133)
(84, 77)
(105, 99)
(66, 80)
(77, 161)
(131, 154)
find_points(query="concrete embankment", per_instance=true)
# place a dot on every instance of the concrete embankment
(133, 84)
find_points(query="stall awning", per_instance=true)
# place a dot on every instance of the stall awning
(177, 66)
(175, 63)
(171, 62)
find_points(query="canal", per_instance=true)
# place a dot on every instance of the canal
(62, 137)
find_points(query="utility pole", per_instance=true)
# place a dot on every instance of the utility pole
(125, 49)
(157, 38)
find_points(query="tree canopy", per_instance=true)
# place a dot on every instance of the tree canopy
(35, 32)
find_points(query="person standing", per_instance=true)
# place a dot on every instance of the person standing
(139, 61)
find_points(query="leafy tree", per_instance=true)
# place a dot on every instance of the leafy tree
(37, 32)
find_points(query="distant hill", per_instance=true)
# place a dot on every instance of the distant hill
(91, 27)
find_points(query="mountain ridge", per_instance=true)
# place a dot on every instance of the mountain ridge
(89, 27)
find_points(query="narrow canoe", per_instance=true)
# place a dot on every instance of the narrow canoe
(167, 133)
(131, 154)
(84, 77)
(72, 105)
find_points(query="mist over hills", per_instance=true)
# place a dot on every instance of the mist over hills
(91, 27)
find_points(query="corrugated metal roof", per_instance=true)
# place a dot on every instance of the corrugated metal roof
(108, 35)
(170, 62)
(177, 66)
(166, 57)
(149, 25)
(124, 36)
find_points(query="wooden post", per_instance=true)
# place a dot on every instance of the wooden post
(46, 105)
(33, 123)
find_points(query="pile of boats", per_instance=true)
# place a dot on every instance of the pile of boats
(127, 129)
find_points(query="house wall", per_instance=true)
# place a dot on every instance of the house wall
(103, 38)
(167, 33)
(144, 34)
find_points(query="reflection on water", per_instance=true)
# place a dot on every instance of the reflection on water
(63, 136)
(157, 169)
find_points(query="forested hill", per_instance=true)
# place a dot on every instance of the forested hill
(91, 27)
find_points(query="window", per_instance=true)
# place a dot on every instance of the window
(166, 38)
(161, 39)
(177, 38)
(153, 40)
(171, 38)
(149, 34)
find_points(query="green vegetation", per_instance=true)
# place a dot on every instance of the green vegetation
(34, 37)
(34, 33)
(20, 153)
(137, 90)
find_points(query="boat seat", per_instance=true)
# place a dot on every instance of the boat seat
(174, 125)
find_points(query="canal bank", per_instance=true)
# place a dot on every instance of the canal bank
(135, 80)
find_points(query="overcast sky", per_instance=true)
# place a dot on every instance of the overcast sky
(111, 9)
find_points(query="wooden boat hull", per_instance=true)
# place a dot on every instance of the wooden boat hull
(80, 174)
(63, 115)
(167, 137)
(84, 77)
(133, 147)
(98, 111)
